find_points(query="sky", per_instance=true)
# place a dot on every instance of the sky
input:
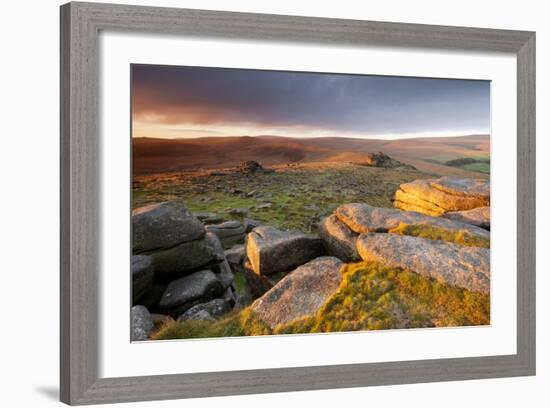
(184, 102)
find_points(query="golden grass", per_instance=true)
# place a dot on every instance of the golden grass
(370, 297)
(237, 323)
(461, 237)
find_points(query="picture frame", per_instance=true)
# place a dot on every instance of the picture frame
(81, 24)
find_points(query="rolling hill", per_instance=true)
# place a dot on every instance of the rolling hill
(427, 154)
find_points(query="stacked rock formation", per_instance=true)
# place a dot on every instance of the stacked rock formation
(453, 252)
(465, 200)
(178, 267)
(381, 159)
(185, 270)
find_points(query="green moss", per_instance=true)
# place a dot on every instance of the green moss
(461, 237)
(239, 281)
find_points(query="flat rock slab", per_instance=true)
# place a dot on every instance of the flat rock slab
(480, 217)
(226, 229)
(466, 187)
(363, 218)
(229, 232)
(338, 239)
(271, 250)
(184, 293)
(163, 225)
(301, 293)
(456, 265)
(442, 195)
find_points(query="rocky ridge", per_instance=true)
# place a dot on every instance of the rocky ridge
(190, 271)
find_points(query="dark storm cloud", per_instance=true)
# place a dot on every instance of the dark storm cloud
(356, 103)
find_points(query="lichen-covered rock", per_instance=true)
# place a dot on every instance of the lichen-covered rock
(141, 323)
(456, 265)
(271, 250)
(338, 239)
(214, 308)
(363, 218)
(301, 293)
(409, 202)
(163, 225)
(465, 187)
(480, 217)
(142, 276)
(435, 197)
(183, 293)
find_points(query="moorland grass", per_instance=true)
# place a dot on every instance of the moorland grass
(370, 297)
(461, 237)
(294, 194)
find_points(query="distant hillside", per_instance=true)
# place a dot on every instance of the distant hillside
(427, 154)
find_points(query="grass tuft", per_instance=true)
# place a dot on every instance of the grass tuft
(237, 323)
(461, 237)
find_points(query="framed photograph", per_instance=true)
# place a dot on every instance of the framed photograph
(357, 195)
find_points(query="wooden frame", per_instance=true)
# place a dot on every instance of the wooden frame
(80, 234)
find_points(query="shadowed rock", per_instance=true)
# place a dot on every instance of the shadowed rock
(480, 217)
(190, 290)
(456, 265)
(229, 232)
(301, 293)
(270, 250)
(235, 256)
(208, 217)
(142, 276)
(256, 284)
(214, 309)
(250, 224)
(435, 197)
(363, 218)
(163, 225)
(224, 274)
(187, 257)
(142, 323)
(338, 239)
(152, 297)
(252, 166)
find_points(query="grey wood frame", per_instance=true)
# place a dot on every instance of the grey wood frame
(80, 233)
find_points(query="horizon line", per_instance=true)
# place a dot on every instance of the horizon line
(417, 136)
